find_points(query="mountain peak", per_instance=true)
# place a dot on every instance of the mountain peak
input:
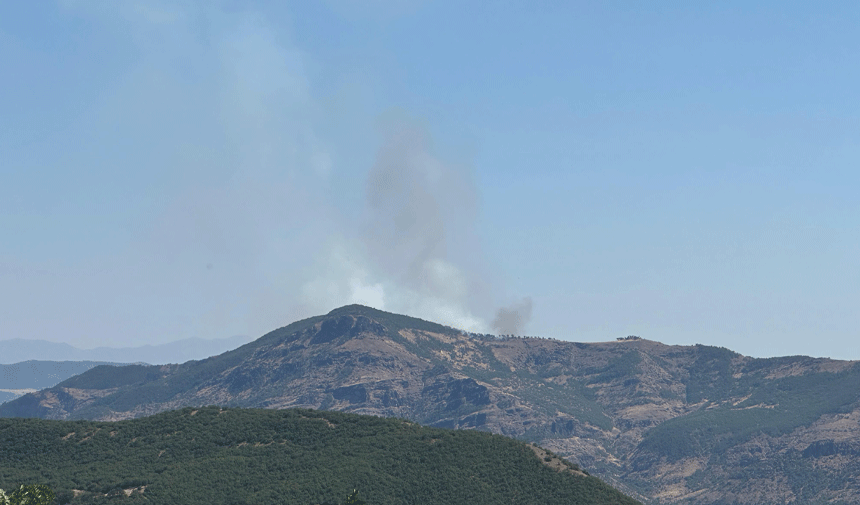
(356, 309)
(394, 322)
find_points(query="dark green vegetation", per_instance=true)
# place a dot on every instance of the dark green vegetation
(352, 499)
(212, 455)
(28, 494)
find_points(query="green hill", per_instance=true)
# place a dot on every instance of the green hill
(213, 455)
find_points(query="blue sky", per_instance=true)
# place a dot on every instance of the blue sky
(582, 171)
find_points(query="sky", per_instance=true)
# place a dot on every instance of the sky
(685, 172)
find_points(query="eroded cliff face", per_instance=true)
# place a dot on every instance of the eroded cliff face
(669, 424)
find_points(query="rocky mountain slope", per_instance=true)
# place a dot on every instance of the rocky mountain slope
(29, 376)
(667, 424)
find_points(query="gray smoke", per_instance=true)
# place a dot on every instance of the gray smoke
(511, 320)
(419, 210)
(420, 235)
(414, 249)
(252, 236)
(407, 228)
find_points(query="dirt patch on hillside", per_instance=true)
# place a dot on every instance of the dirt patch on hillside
(555, 462)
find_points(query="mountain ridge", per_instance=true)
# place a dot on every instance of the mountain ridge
(673, 424)
(29, 376)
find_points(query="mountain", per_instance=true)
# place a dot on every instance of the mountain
(211, 455)
(30, 376)
(669, 424)
(17, 350)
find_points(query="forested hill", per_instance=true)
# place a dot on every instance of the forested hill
(213, 455)
(671, 424)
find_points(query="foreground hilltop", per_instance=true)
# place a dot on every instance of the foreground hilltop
(675, 424)
(211, 455)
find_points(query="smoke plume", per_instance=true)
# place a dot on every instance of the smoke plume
(418, 210)
(416, 251)
(261, 203)
(511, 320)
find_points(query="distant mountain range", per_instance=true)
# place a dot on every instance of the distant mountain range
(30, 376)
(666, 424)
(180, 351)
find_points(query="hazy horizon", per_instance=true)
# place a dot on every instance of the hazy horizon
(14, 351)
(182, 169)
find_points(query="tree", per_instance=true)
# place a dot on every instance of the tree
(353, 499)
(34, 494)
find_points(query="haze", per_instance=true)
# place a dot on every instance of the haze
(171, 170)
